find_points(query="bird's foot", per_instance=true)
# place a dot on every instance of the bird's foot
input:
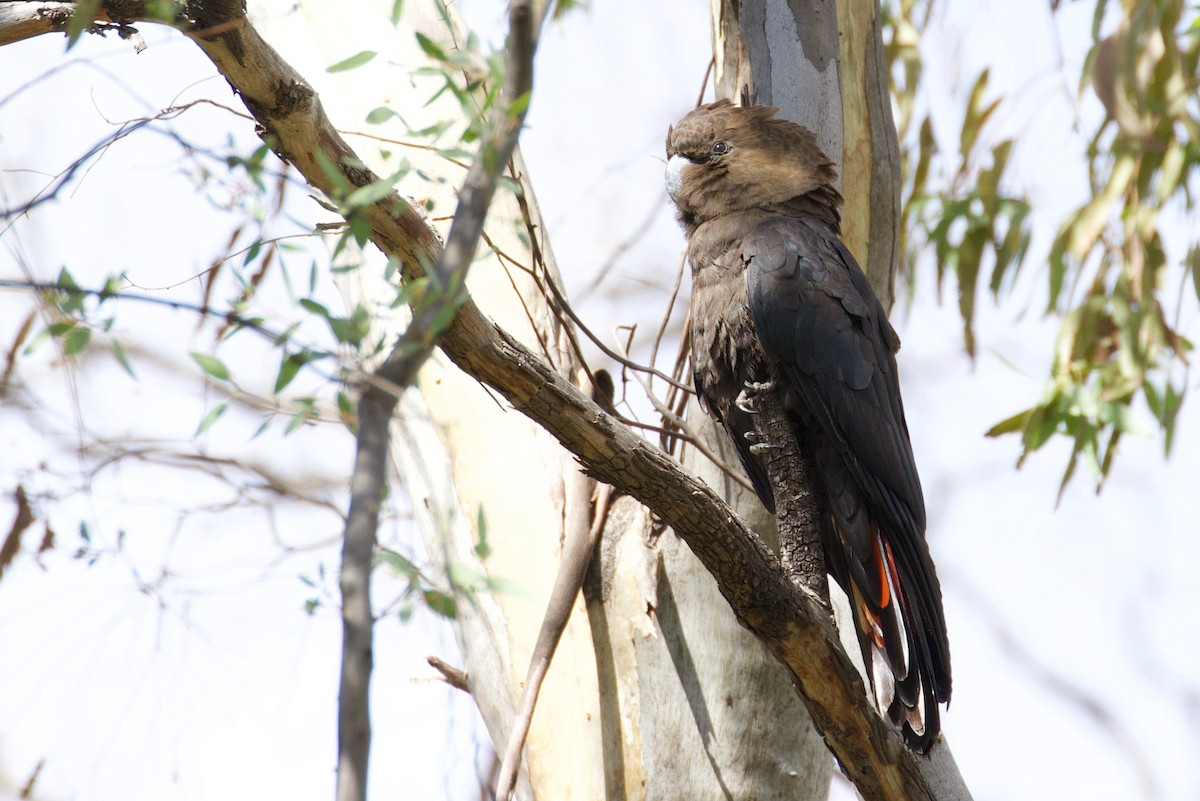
(758, 445)
(747, 397)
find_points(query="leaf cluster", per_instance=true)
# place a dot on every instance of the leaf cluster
(1119, 351)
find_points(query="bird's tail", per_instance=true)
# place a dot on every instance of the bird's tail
(893, 634)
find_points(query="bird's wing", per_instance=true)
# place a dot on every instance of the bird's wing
(818, 319)
(821, 324)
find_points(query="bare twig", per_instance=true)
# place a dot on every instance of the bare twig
(456, 678)
(561, 303)
(367, 485)
(666, 319)
(623, 247)
(230, 318)
(582, 534)
(447, 291)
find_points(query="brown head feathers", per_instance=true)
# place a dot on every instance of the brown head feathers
(725, 159)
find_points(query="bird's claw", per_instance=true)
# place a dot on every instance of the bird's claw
(747, 397)
(758, 446)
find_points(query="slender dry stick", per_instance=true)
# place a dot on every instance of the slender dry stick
(447, 291)
(367, 485)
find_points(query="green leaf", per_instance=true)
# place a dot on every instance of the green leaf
(431, 48)
(261, 428)
(211, 365)
(361, 229)
(456, 154)
(441, 603)
(118, 352)
(76, 340)
(306, 413)
(392, 268)
(520, 105)
(333, 173)
(252, 252)
(41, 338)
(398, 562)
(213, 415)
(314, 307)
(1010, 425)
(347, 411)
(503, 586)
(397, 10)
(287, 371)
(510, 184)
(354, 62)
(112, 285)
(405, 612)
(371, 193)
(380, 115)
(482, 549)
(1039, 428)
(290, 366)
(71, 299)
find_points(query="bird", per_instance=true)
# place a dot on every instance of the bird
(778, 301)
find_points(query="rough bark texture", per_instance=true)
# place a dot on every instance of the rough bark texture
(792, 477)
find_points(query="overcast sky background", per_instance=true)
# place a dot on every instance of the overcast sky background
(183, 666)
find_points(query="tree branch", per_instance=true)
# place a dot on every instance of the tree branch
(796, 504)
(367, 487)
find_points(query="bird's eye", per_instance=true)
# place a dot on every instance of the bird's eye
(719, 148)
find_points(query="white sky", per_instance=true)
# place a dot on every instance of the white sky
(211, 680)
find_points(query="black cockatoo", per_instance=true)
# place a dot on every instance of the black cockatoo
(777, 299)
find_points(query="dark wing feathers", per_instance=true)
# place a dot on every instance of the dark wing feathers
(819, 322)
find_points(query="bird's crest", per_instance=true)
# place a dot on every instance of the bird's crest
(730, 158)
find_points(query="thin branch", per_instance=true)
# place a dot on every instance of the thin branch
(623, 247)
(560, 302)
(454, 677)
(231, 318)
(666, 319)
(63, 179)
(367, 486)
(447, 291)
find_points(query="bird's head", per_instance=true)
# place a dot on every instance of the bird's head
(722, 159)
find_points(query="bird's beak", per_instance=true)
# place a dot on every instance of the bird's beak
(674, 176)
